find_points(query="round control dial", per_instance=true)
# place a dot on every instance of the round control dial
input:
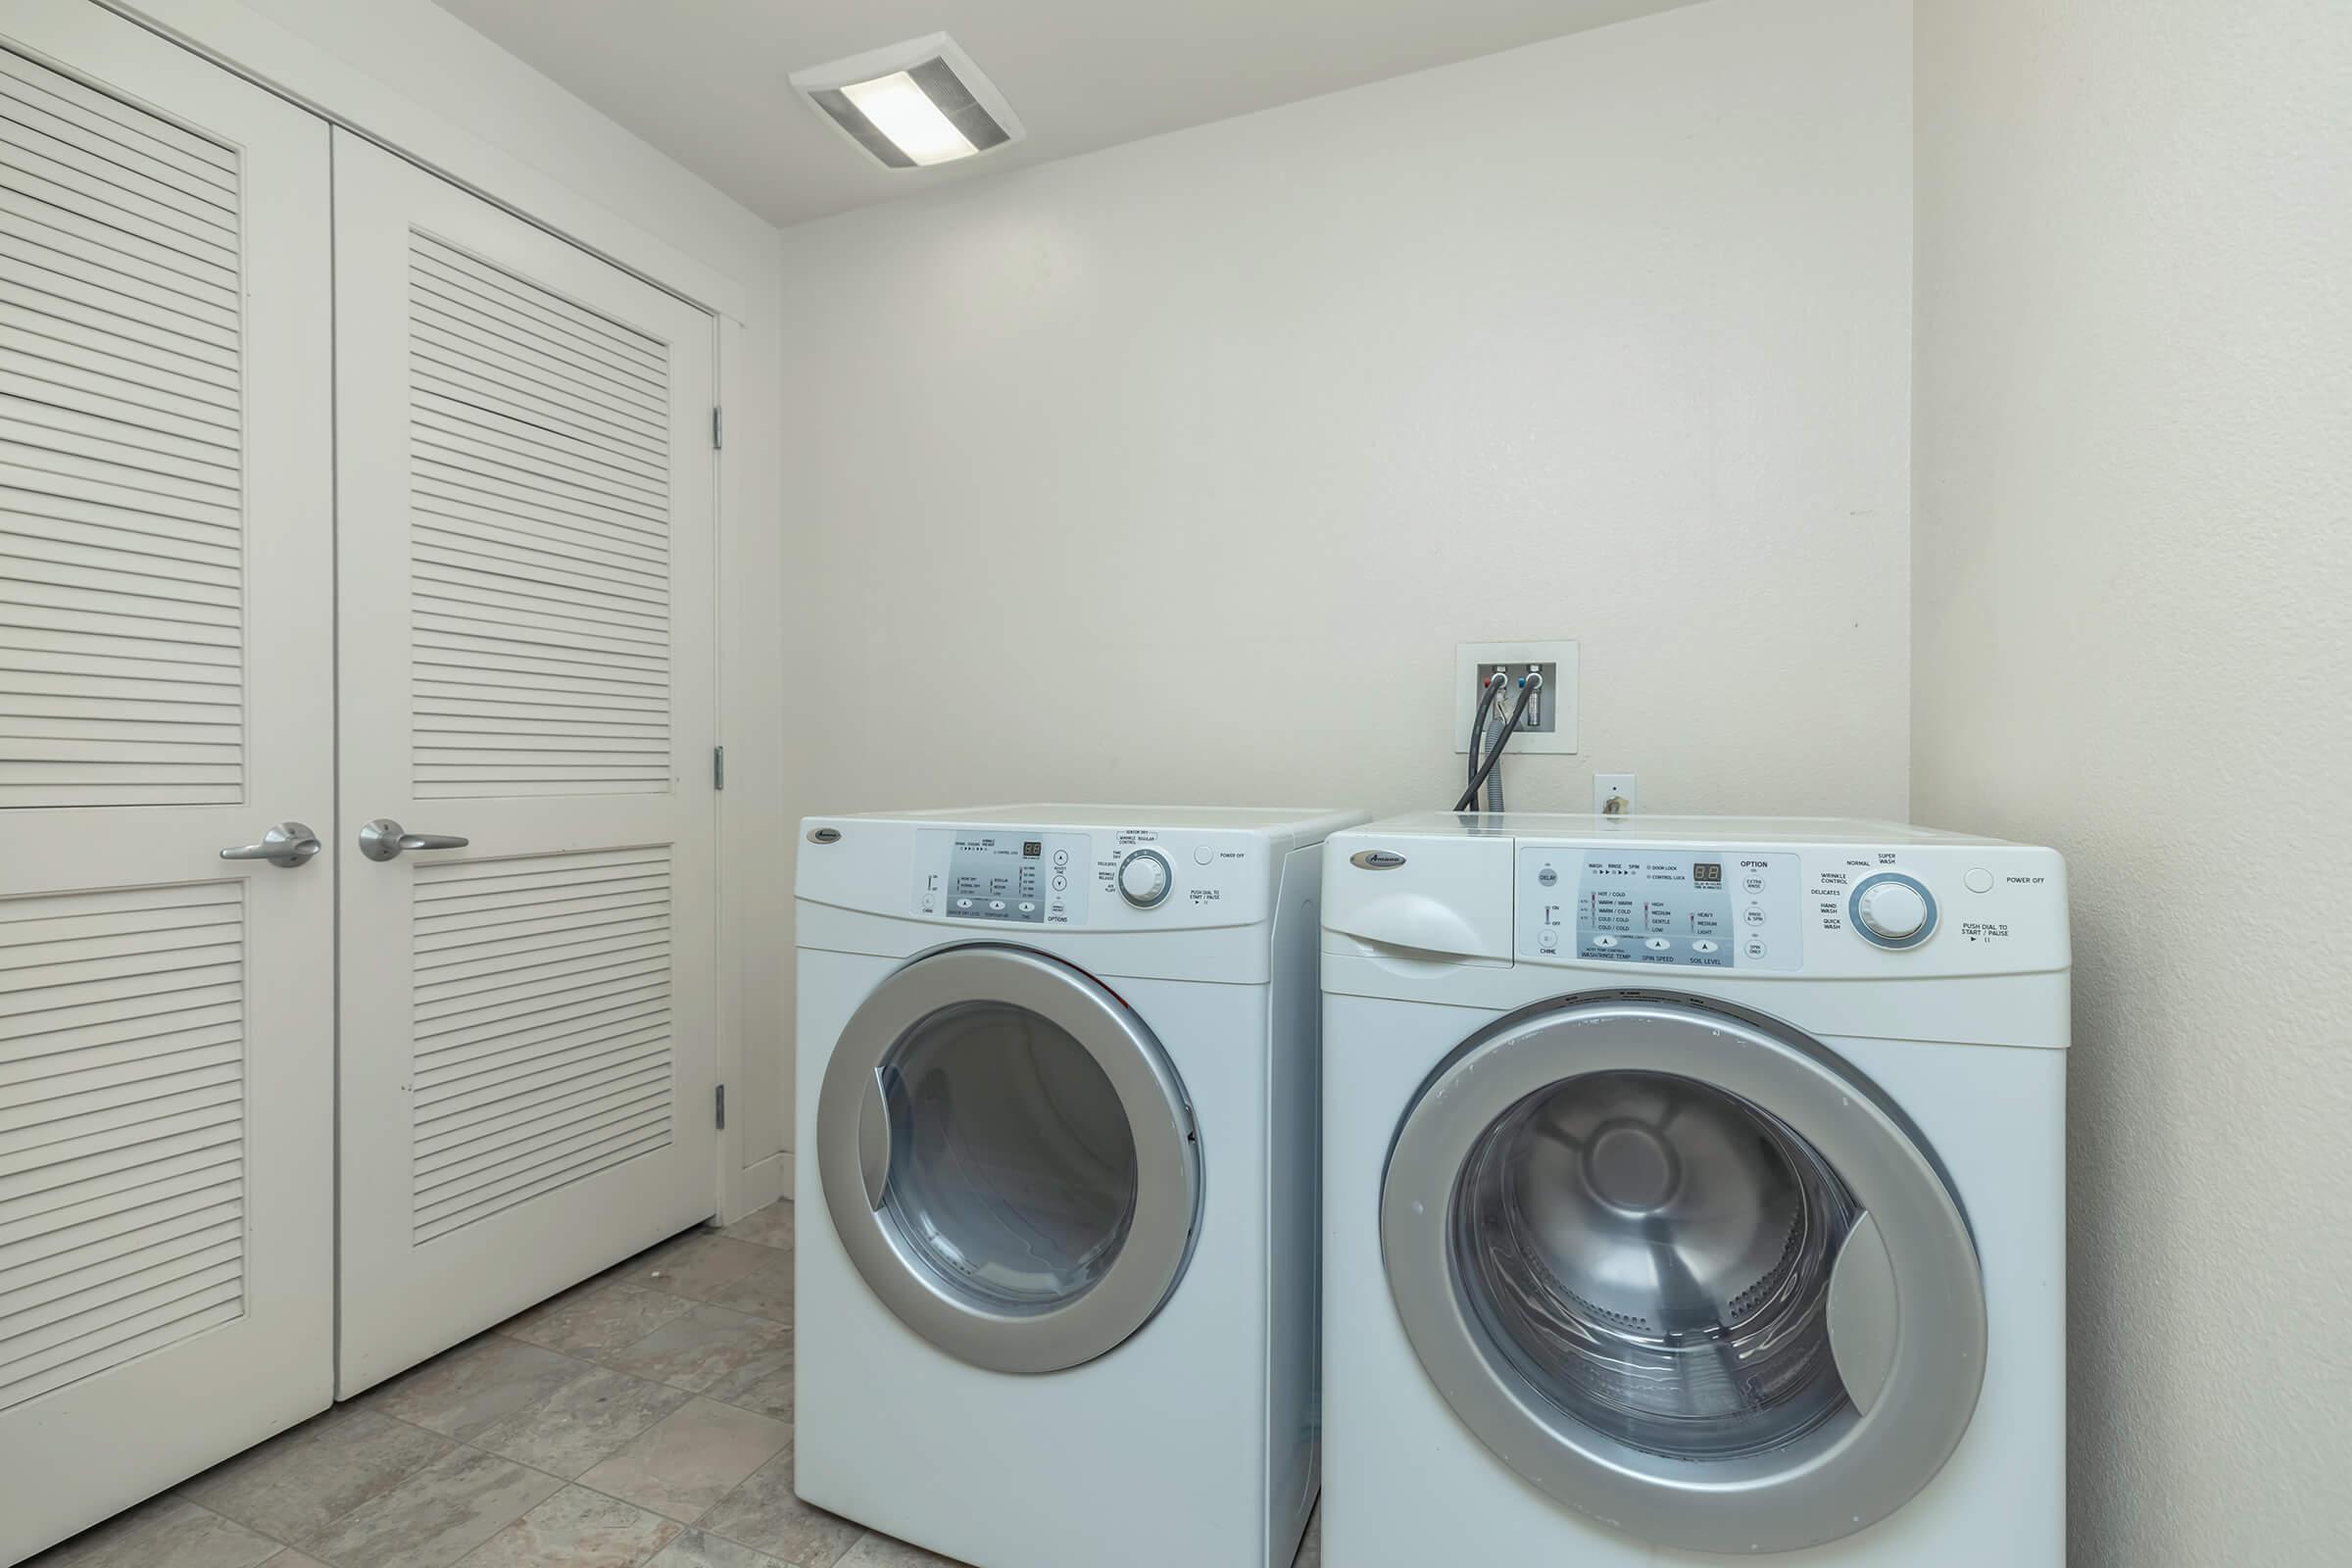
(1893, 911)
(1145, 879)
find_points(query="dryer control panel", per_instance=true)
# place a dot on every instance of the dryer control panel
(1682, 908)
(1118, 879)
(1019, 875)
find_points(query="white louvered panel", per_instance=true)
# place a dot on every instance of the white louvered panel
(121, 484)
(539, 450)
(542, 1027)
(122, 1126)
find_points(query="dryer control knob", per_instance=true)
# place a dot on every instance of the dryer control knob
(1144, 879)
(1893, 911)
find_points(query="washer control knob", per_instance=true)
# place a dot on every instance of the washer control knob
(1891, 911)
(1145, 879)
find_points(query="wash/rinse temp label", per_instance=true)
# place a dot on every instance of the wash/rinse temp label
(1688, 908)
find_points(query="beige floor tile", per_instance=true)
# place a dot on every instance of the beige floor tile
(690, 1459)
(696, 1265)
(475, 1386)
(880, 1551)
(437, 1515)
(290, 1558)
(299, 1483)
(765, 1382)
(164, 1533)
(576, 1528)
(769, 1227)
(764, 1292)
(701, 1349)
(586, 1420)
(604, 1314)
(694, 1548)
(765, 1514)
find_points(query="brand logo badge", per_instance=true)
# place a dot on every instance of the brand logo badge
(825, 835)
(1376, 860)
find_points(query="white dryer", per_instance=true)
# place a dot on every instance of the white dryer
(1693, 1188)
(1056, 1160)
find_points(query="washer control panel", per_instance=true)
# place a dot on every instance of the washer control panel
(1688, 908)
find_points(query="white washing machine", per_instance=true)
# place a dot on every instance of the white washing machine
(1694, 1188)
(1056, 1162)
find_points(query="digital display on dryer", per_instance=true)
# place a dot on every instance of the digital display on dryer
(995, 878)
(1021, 878)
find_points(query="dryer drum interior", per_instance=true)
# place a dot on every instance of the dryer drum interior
(1009, 1158)
(1012, 1169)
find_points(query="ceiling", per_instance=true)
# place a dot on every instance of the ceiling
(704, 80)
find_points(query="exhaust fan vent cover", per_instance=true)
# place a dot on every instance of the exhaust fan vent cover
(912, 104)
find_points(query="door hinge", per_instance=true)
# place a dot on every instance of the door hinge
(718, 768)
(721, 1120)
(718, 428)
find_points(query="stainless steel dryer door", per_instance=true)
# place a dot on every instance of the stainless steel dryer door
(1684, 1270)
(1009, 1157)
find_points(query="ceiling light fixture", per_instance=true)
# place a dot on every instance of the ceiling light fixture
(913, 104)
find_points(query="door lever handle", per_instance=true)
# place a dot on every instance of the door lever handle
(285, 846)
(384, 839)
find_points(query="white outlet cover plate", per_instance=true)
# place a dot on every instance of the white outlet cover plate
(1467, 656)
(1604, 785)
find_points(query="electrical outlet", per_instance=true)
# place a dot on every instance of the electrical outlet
(1613, 788)
(1549, 723)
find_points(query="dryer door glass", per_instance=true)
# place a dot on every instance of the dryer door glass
(1655, 1255)
(1012, 1168)
(1009, 1158)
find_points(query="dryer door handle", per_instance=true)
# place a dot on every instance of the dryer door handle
(873, 1136)
(1865, 1318)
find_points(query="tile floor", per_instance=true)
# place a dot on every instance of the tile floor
(640, 1420)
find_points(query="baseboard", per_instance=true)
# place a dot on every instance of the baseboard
(757, 1185)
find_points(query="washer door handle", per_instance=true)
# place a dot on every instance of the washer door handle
(1865, 1318)
(873, 1136)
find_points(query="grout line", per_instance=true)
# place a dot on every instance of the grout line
(336, 1415)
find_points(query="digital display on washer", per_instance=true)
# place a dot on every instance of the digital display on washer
(1703, 909)
(993, 877)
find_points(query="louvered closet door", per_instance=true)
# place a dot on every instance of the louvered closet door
(167, 1032)
(528, 1020)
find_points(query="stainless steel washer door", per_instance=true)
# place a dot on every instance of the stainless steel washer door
(1009, 1158)
(1686, 1271)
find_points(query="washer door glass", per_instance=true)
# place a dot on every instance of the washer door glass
(1653, 1254)
(1686, 1271)
(1009, 1158)
(1012, 1171)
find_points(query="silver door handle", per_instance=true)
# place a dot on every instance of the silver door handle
(285, 846)
(384, 839)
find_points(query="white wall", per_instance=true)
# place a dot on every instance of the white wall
(410, 74)
(1176, 471)
(2134, 553)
